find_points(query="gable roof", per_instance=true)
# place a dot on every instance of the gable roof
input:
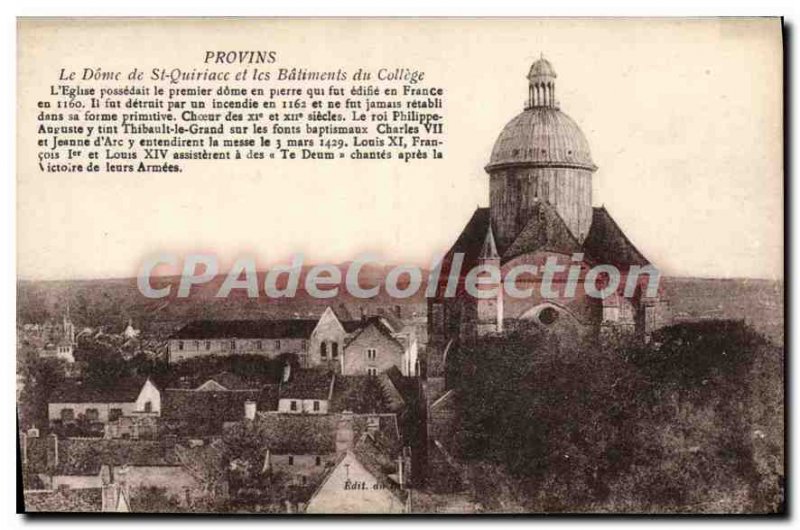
(206, 410)
(606, 242)
(380, 325)
(227, 381)
(369, 453)
(124, 390)
(64, 500)
(545, 230)
(86, 456)
(307, 384)
(317, 433)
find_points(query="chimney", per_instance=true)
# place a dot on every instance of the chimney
(52, 451)
(250, 410)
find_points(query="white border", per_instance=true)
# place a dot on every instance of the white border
(315, 8)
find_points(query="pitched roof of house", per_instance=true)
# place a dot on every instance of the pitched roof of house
(214, 406)
(64, 500)
(316, 433)
(307, 384)
(380, 325)
(124, 390)
(231, 381)
(252, 329)
(376, 460)
(606, 242)
(86, 456)
(545, 230)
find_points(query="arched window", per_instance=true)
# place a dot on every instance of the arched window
(323, 349)
(334, 350)
(148, 406)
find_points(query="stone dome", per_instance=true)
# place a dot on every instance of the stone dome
(541, 136)
(542, 67)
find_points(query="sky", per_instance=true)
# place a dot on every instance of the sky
(684, 119)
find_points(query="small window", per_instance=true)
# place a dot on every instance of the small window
(180, 345)
(196, 345)
(208, 345)
(303, 345)
(259, 345)
(114, 414)
(372, 371)
(323, 349)
(291, 460)
(316, 406)
(318, 461)
(334, 350)
(372, 354)
(233, 345)
(293, 405)
(92, 414)
(277, 345)
(67, 414)
(148, 406)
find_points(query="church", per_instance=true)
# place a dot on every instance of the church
(540, 208)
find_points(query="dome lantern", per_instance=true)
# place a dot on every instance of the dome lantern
(542, 85)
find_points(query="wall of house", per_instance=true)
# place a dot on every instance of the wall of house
(103, 409)
(270, 347)
(149, 394)
(305, 465)
(174, 479)
(338, 495)
(330, 331)
(77, 482)
(304, 406)
(388, 353)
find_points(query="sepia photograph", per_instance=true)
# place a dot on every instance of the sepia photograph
(400, 266)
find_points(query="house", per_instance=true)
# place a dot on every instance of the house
(77, 403)
(304, 446)
(205, 410)
(374, 343)
(108, 498)
(364, 479)
(306, 392)
(372, 349)
(52, 463)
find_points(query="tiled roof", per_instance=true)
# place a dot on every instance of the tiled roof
(214, 406)
(379, 324)
(119, 391)
(545, 230)
(232, 381)
(84, 457)
(252, 329)
(307, 384)
(316, 433)
(64, 500)
(606, 243)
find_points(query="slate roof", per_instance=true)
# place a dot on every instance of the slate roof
(606, 242)
(379, 324)
(85, 457)
(545, 230)
(214, 406)
(307, 384)
(316, 433)
(64, 500)
(253, 329)
(246, 329)
(231, 381)
(120, 391)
